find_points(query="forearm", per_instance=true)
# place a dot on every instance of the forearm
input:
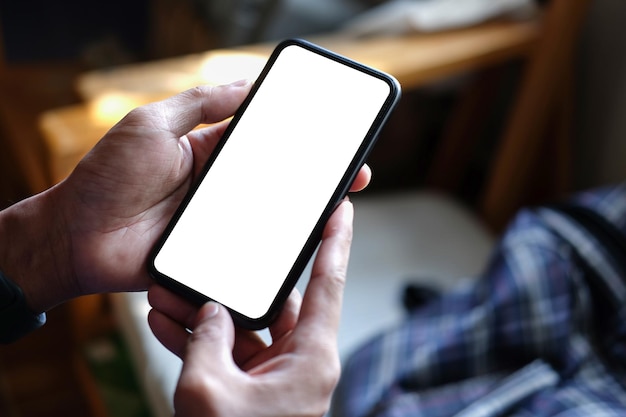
(34, 251)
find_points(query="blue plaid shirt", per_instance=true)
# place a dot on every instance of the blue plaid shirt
(530, 337)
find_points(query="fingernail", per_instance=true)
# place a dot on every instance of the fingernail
(210, 310)
(239, 83)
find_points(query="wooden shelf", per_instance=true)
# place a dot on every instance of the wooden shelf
(414, 59)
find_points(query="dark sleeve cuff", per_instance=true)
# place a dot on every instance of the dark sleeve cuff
(16, 318)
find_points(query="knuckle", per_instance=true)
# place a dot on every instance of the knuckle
(331, 375)
(327, 369)
(136, 115)
(197, 92)
(325, 382)
(335, 278)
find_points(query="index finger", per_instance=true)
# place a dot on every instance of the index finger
(362, 179)
(321, 305)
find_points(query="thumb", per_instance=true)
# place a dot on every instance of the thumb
(207, 363)
(200, 105)
(212, 340)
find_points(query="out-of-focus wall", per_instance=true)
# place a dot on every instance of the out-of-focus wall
(600, 122)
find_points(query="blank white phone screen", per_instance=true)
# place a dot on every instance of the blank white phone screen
(249, 219)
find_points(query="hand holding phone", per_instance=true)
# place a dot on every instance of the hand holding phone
(248, 227)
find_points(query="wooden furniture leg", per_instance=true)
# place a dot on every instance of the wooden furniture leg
(508, 182)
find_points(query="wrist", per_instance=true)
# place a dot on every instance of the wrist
(34, 251)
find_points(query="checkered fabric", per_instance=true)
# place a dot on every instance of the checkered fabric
(542, 332)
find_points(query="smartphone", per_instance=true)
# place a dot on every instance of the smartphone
(247, 228)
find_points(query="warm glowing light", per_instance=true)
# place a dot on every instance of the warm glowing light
(111, 107)
(216, 69)
(226, 67)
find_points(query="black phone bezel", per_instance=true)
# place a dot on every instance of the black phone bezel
(341, 190)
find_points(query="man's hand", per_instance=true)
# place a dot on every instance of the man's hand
(231, 372)
(92, 233)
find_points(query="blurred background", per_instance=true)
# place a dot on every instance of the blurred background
(483, 122)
